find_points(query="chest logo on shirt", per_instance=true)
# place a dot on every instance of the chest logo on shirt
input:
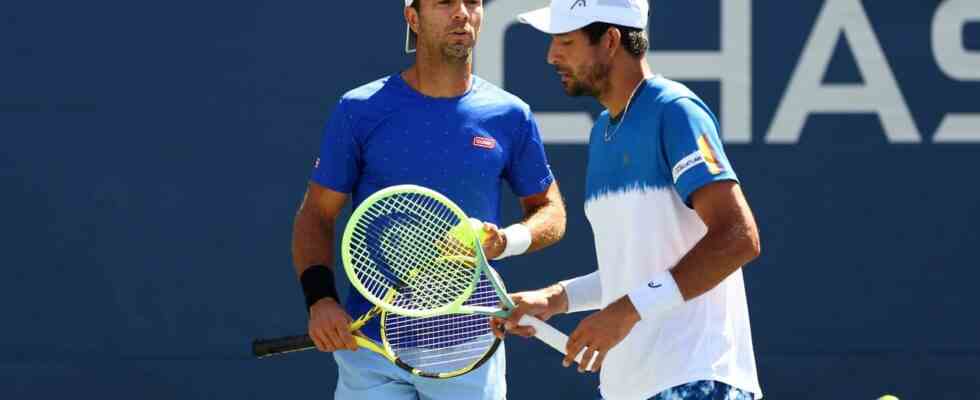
(484, 142)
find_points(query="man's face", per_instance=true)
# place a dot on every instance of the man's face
(451, 26)
(578, 63)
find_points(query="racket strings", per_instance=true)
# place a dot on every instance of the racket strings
(444, 343)
(406, 242)
(431, 280)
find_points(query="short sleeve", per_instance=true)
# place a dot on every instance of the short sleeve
(339, 164)
(693, 148)
(528, 171)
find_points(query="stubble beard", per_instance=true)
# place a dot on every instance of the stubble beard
(596, 80)
(457, 54)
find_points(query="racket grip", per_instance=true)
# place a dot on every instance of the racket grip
(270, 347)
(548, 334)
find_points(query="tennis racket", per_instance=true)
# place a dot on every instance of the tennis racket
(441, 346)
(411, 251)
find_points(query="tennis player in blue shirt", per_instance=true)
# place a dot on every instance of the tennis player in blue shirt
(435, 125)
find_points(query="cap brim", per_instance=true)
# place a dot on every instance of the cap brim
(541, 19)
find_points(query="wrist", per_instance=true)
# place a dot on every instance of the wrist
(326, 301)
(318, 284)
(557, 299)
(517, 239)
(582, 293)
(657, 296)
(627, 309)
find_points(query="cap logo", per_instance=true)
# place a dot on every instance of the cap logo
(579, 3)
(615, 3)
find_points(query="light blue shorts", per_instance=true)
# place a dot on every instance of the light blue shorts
(366, 375)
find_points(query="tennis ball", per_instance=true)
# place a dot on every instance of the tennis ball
(459, 232)
(888, 397)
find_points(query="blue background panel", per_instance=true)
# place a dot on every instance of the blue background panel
(152, 156)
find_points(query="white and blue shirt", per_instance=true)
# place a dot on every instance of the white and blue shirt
(386, 133)
(641, 174)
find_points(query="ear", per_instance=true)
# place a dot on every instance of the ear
(611, 40)
(412, 18)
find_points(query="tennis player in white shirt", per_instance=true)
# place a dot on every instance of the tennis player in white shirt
(672, 227)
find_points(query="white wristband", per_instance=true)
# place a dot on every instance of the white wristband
(657, 296)
(518, 240)
(584, 293)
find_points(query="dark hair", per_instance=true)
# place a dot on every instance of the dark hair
(417, 6)
(634, 40)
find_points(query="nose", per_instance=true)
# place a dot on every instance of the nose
(552, 53)
(461, 14)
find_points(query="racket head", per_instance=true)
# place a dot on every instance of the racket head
(416, 242)
(443, 346)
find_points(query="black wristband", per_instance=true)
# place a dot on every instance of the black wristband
(318, 283)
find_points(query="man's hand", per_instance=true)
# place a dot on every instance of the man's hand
(542, 303)
(494, 242)
(330, 326)
(600, 332)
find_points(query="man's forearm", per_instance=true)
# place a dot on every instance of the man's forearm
(546, 220)
(312, 241)
(713, 259)
(547, 225)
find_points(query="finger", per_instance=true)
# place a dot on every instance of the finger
(513, 320)
(497, 326)
(571, 350)
(344, 334)
(588, 357)
(525, 331)
(319, 338)
(334, 342)
(597, 363)
(489, 227)
(493, 235)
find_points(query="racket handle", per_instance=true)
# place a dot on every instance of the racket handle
(270, 347)
(551, 336)
(547, 333)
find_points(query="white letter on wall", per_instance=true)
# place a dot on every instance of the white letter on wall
(807, 94)
(957, 63)
(732, 66)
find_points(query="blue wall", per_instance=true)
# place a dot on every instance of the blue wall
(152, 156)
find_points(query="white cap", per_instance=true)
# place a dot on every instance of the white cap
(564, 16)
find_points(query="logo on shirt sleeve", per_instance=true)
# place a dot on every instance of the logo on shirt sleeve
(711, 158)
(484, 142)
(705, 154)
(685, 164)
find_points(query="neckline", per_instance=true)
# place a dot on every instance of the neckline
(637, 92)
(408, 88)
